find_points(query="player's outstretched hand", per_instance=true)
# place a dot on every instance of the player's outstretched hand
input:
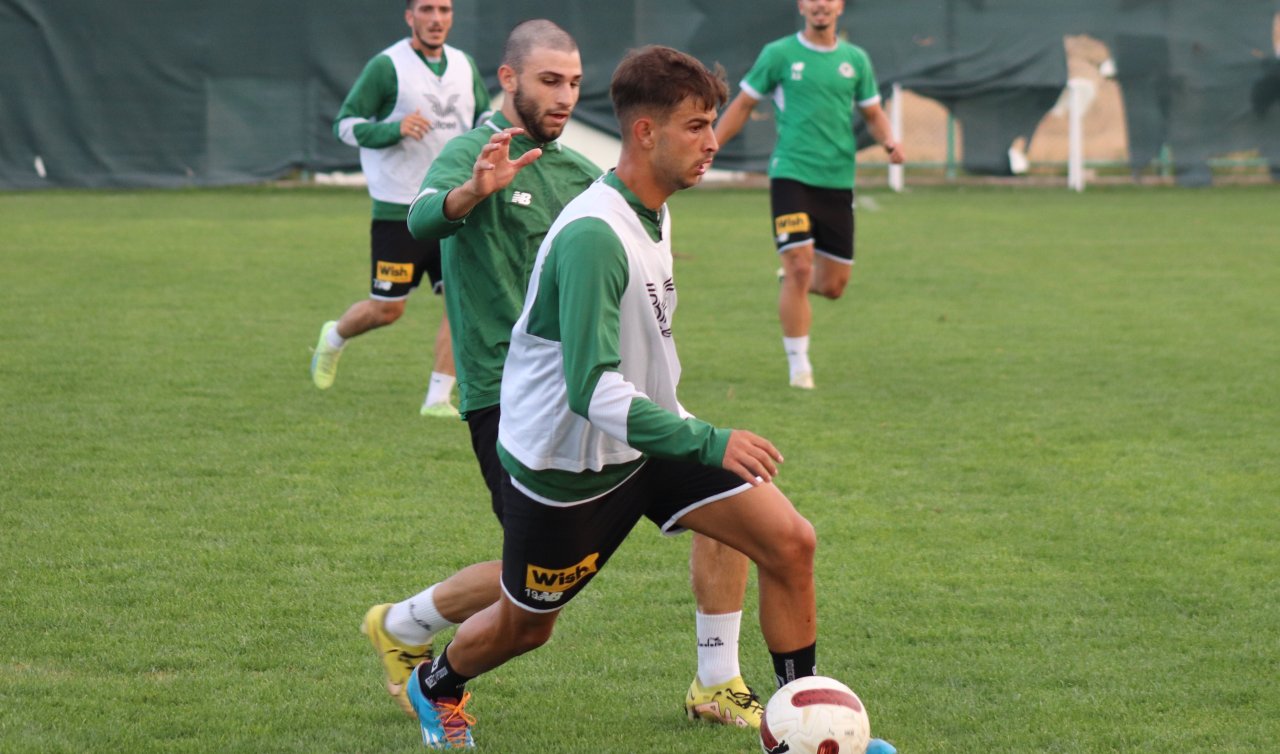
(494, 168)
(751, 457)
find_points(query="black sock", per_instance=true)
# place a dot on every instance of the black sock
(442, 681)
(788, 666)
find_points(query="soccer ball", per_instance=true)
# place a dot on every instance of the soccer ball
(815, 715)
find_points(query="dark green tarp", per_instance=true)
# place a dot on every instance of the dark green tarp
(193, 92)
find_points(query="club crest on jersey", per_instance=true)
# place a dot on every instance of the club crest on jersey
(662, 304)
(444, 110)
(797, 71)
(846, 70)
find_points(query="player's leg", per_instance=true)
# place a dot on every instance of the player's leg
(793, 236)
(550, 552)
(762, 524)
(719, 577)
(394, 274)
(832, 213)
(402, 632)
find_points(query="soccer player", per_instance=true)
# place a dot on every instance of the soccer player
(592, 435)
(491, 195)
(814, 79)
(410, 100)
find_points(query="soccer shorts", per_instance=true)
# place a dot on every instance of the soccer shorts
(483, 424)
(551, 551)
(398, 261)
(807, 214)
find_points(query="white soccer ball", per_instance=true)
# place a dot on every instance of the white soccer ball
(815, 715)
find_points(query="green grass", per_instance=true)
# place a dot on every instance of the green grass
(1042, 460)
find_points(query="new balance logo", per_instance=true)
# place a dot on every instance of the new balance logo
(523, 198)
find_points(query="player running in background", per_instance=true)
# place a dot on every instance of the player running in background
(410, 100)
(814, 79)
(491, 196)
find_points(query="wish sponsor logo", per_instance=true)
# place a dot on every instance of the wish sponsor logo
(554, 581)
(394, 272)
(785, 225)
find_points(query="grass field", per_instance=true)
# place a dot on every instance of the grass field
(1043, 461)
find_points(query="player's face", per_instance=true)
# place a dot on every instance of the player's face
(685, 146)
(546, 91)
(430, 21)
(821, 15)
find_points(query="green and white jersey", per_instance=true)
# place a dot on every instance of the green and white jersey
(813, 90)
(487, 256)
(590, 382)
(395, 83)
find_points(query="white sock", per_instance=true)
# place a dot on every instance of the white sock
(797, 354)
(718, 647)
(334, 339)
(440, 388)
(416, 620)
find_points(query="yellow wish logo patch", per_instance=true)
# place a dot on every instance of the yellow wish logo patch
(797, 222)
(395, 272)
(560, 579)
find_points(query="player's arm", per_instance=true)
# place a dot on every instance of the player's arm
(587, 272)
(867, 96)
(881, 130)
(761, 81)
(372, 98)
(735, 116)
(493, 171)
(451, 168)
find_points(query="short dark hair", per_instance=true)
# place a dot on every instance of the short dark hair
(534, 34)
(654, 80)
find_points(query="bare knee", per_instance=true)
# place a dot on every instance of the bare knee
(527, 635)
(386, 312)
(798, 273)
(832, 289)
(791, 553)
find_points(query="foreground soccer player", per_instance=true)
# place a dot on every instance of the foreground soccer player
(592, 433)
(491, 196)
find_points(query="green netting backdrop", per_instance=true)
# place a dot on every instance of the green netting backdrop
(196, 92)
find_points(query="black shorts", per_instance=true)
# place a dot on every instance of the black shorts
(483, 424)
(550, 552)
(398, 261)
(804, 214)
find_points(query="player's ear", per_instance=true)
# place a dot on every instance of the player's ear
(507, 79)
(643, 130)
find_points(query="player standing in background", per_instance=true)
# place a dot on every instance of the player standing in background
(491, 195)
(411, 99)
(814, 79)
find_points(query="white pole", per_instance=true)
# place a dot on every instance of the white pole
(1075, 135)
(897, 176)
